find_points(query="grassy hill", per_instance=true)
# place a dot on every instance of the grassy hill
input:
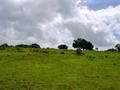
(49, 69)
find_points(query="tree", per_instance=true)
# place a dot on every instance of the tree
(82, 44)
(4, 45)
(117, 47)
(22, 46)
(111, 50)
(89, 46)
(35, 45)
(62, 46)
(79, 43)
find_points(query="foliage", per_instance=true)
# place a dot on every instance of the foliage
(62, 46)
(28, 46)
(4, 45)
(78, 51)
(111, 50)
(83, 44)
(117, 47)
(62, 53)
(34, 45)
(22, 46)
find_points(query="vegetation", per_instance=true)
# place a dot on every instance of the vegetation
(29, 70)
(35, 45)
(117, 47)
(82, 44)
(29, 67)
(28, 46)
(62, 46)
(112, 50)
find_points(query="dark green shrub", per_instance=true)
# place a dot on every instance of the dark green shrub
(22, 46)
(111, 50)
(62, 53)
(79, 52)
(62, 46)
(34, 45)
(106, 56)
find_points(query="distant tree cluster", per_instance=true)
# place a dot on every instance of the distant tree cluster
(80, 44)
(28, 46)
(4, 45)
(21, 46)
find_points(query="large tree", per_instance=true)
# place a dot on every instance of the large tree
(89, 46)
(82, 44)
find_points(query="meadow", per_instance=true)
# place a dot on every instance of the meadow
(52, 69)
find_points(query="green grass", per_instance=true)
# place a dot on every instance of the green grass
(48, 69)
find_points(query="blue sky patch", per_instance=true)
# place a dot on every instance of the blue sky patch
(101, 4)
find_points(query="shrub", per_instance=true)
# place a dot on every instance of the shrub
(62, 53)
(111, 50)
(79, 51)
(62, 46)
(106, 56)
(34, 45)
(22, 46)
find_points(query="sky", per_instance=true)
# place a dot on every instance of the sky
(53, 22)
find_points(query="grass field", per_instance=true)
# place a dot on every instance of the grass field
(48, 69)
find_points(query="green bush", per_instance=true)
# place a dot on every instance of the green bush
(62, 53)
(79, 51)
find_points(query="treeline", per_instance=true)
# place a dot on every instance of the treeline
(5, 45)
(80, 44)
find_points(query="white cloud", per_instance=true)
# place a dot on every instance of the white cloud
(52, 22)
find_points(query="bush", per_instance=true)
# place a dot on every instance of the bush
(34, 45)
(79, 52)
(111, 50)
(106, 56)
(62, 53)
(62, 46)
(22, 46)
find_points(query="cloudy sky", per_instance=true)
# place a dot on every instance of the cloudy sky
(53, 22)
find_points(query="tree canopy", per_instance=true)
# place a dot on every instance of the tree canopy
(62, 46)
(82, 44)
(117, 46)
